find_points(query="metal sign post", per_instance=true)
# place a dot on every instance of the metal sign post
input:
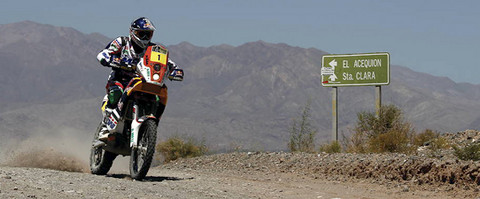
(334, 114)
(368, 69)
(378, 100)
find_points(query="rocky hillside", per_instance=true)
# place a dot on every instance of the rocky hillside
(47, 64)
(232, 96)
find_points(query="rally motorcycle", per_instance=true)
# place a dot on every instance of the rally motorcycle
(132, 126)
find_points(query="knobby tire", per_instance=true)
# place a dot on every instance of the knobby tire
(100, 160)
(147, 138)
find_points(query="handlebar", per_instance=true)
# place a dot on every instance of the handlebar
(121, 64)
(125, 67)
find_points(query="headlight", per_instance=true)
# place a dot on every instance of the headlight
(156, 67)
(156, 76)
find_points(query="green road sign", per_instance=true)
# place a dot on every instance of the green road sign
(369, 69)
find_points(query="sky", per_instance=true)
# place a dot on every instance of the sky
(438, 37)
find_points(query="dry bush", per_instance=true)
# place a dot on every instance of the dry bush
(236, 147)
(469, 152)
(333, 147)
(355, 143)
(434, 143)
(302, 134)
(424, 137)
(177, 147)
(391, 141)
(439, 143)
(386, 133)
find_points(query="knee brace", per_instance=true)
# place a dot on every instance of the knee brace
(113, 96)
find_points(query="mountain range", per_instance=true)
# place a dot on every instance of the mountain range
(232, 96)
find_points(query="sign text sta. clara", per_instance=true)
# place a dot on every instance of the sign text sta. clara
(369, 69)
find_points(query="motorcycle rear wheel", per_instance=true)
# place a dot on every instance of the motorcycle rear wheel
(100, 160)
(141, 157)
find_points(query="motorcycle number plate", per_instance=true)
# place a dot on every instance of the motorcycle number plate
(159, 57)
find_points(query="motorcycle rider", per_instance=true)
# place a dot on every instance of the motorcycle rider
(122, 54)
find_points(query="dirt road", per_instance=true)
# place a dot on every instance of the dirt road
(16, 182)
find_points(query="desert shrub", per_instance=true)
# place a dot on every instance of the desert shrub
(333, 147)
(391, 141)
(236, 147)
(177, 147)
(433, 141)
(386, 133)
(436, 146)
(469, 152)
(424, 137)
(356, 143)
(439, 143)
(302, 134)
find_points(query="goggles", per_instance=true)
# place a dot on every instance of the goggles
(143, 34)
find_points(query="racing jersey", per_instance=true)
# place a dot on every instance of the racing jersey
(122, 50)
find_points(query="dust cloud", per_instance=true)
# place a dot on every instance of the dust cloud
(59, 148)
(62, 148)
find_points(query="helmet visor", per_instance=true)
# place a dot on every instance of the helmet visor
(144, 34)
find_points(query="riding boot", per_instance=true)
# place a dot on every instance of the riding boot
(103, 133)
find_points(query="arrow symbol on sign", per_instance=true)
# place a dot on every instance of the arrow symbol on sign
(333, 63)
(332, 77)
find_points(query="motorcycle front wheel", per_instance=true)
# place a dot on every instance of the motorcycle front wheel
(141, 156)
(100, 160)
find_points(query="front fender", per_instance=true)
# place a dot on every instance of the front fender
(136, 126)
